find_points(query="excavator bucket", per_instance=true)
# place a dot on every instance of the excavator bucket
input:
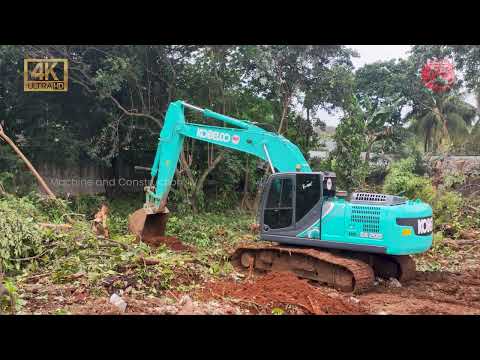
(148, 227)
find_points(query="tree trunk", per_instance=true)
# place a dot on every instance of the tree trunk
(258, 195)
(445, 140)
(367, 153)
(245, 187)
(201, 181)
(425, 148)
(285, 104)
(2, 190)
(28, 163)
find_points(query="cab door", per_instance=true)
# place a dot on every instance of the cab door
(278, 206)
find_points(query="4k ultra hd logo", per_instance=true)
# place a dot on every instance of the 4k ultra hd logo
(45, 75)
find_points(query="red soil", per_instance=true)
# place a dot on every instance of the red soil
(280, 289)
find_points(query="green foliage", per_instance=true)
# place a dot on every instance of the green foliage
(111, 76)
(401, 180)
(5, 302)
(446, 207)
(20, 235)
(453, 178)
(14, 178)
(209, 230)
(350, 143)
(87, 204)
(413, 150)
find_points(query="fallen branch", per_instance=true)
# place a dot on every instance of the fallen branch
(146, 261)
(65, 227)
(30, 257)
(27, 162)
(473, 208)
(457, 243)
(117, 243)
(473, 247)
(2, 190)
(69, 214)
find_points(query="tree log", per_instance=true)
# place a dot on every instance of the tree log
(28, 163)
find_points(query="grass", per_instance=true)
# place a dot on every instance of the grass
(81, 259)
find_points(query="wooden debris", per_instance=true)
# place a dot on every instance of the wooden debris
(99, 224)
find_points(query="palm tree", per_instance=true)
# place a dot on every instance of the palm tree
(444, 124)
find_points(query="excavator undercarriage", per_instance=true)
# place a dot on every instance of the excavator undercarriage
(343, 270)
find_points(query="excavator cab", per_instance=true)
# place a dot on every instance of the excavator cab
(293, 200)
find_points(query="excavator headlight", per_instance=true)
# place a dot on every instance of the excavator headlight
(406, 232)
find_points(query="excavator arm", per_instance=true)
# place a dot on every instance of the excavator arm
(244, 136)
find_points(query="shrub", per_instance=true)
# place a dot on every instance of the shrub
(401, 180)
(87, 204)
(20, 236)
(446, 207)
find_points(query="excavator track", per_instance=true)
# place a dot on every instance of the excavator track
(407, 268)
(345, 271)
(342, 273)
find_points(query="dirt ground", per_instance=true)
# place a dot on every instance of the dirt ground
(275, 293)
(431, 292)
(170, 241)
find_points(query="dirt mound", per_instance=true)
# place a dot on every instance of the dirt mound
(170, 241)
(278, 289)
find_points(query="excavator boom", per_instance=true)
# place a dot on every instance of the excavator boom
(242, 135)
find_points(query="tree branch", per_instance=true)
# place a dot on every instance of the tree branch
(129, 113)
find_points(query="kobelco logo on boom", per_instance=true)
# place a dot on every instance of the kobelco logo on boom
(213, 135)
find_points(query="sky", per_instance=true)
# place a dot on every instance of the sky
(369, 54)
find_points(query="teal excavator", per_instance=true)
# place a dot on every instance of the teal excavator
(306, 226)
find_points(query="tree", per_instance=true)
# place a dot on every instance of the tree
(446, 125)
(376, 89)
(442, 120)
(350, 143)
(467, 60)
(281, 73)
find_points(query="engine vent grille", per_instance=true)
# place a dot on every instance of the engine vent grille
(376, 199)
(368, 216)
(369, 197)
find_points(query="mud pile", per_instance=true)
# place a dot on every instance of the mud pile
(170, 241)
(278, 289)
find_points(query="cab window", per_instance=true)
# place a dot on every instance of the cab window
(279, 207)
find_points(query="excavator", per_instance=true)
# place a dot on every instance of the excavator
(307, 227)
